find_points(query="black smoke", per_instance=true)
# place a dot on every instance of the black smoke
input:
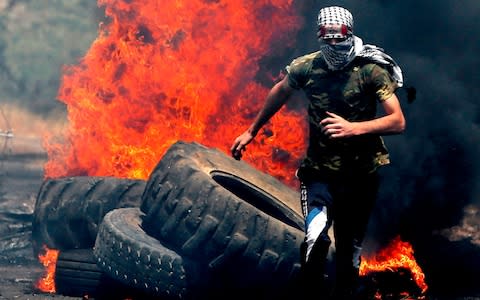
(435, 162)
(434, 173)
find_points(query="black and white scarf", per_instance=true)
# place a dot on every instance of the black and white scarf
(341, 54)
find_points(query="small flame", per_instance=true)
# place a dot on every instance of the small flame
(47, 282)
(398, 254)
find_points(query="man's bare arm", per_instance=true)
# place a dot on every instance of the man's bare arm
(393, 122)
(276, 98)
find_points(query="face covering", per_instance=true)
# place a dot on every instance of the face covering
(338, 55)
(336, 22)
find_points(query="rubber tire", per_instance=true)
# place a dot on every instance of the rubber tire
(68, 210)
(77, 275)
(234, 224)
(127, 254)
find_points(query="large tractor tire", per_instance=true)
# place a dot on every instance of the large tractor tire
(242, 224)
(68, 210)
(127, 254)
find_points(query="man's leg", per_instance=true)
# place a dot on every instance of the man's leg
(351, 211)
(315, 200)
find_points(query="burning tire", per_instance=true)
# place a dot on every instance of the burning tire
(68, 210)
(126, 253)
(243, 225)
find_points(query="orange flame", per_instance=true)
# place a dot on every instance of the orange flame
(162, 71)
(47, 282)
(398, 254)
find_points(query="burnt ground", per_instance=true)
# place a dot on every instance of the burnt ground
(21, 175)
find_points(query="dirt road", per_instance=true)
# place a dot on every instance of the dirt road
(21, 174)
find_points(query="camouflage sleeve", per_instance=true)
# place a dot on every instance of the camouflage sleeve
(297, 72)
(383, 83)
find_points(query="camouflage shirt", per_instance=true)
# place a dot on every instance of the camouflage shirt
(352, 93)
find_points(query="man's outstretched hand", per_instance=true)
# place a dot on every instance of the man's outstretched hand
(240, 144)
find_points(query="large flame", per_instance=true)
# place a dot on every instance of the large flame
(398, 254)
(162, 71)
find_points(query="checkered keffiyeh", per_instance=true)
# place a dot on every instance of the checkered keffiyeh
(378, 55)
(335, 22)
(339, 55)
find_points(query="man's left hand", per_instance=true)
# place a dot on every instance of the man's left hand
(335, 126)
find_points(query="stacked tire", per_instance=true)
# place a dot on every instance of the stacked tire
(66, 217)
(206, 226)
(68, 210)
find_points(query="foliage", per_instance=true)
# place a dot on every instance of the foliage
(38, 38)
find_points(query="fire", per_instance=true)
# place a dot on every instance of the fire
(398, 254)
(48, 260)
(162, 71)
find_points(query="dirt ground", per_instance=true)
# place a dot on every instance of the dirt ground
(21, 174)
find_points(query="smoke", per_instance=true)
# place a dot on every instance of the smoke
(435, 163)
(434, 171)
(433, 181)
